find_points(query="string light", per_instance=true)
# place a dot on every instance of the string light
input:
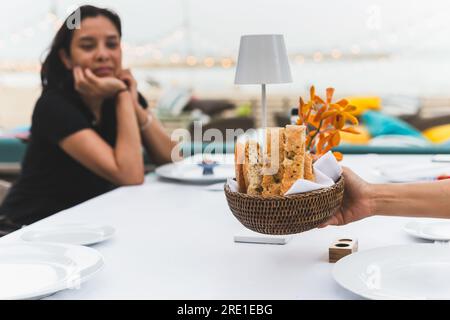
(191, 61)
(209, 62)
(355, 49)
(336, 54)
(156, 48)
(299, 59)
(149, 48)
(157, 55)
(51, 17)
(418, 28)
(227, 63)
(175, 58)
(57, 24)
(318, 56)
(11, 66)
(140, 51)
(125, 46)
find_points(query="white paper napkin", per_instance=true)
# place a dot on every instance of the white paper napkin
(234, 187)
(326, 170)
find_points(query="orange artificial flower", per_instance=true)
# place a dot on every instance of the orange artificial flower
(339, 113)
(324, 121)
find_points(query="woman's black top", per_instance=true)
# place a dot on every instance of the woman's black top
(51, 180)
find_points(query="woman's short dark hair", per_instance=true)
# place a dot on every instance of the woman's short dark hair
(54, 74)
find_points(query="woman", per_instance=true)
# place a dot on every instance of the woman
(363, 200)
(88, 126)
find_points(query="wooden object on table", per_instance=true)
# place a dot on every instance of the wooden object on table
(341, 248)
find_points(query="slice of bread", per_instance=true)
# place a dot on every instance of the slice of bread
(273, 162)
(294, 156)
(309, 170)
(252, 168)
(239, 157)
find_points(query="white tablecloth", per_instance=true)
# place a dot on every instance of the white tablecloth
(175, 241)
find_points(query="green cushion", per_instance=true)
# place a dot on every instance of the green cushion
(12, 150)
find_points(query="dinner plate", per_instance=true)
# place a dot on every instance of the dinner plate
(34, 271)
(417, 271)
(189, 170)
(77, 234)
(437, 231)
(410, 172)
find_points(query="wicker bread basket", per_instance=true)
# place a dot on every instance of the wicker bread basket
(281, 215)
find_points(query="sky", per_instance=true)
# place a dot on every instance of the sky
(413, 27)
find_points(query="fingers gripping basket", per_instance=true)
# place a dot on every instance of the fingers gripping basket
(281, 215)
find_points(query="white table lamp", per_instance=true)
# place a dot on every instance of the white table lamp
(263, 60)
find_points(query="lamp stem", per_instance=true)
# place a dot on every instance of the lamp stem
(264, 106)
(263, 117)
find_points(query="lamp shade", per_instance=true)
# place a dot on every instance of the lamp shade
(262, 60)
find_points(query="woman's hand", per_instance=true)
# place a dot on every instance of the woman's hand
(127, 77)
(88, 84)
(357, 203)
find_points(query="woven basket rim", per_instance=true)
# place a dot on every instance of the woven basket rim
(292, 196)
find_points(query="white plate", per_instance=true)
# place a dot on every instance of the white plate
(418, 271)
(188, 170)
(423, 170)
(437, 231)
(77, 234)
(33, 271)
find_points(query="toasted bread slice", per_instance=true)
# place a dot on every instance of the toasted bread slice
(294, 156)
(273, 162)
(252, 168)
(309, 170)
(239, 157)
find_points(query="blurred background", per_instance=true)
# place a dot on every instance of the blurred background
(390, 58)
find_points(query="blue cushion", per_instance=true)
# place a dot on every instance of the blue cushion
(381, 124)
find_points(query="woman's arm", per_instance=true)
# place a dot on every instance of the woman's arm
(362, 200)
(155, 138)
(430, 199)
(122, 165)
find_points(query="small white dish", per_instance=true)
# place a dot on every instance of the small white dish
(189, 170)
(34, 271)
(418, 271)
(76, 234)
(436, 231)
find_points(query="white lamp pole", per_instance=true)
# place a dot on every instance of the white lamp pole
(264, 106)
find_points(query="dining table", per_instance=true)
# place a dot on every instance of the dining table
(175, 240)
